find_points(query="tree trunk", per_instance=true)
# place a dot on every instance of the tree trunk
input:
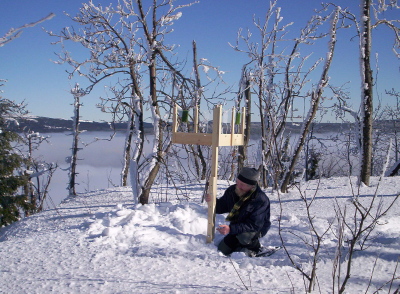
(156, 159)
(134, 129)
(199, 155)
(367, 88)
(243, 149)
(144, 197)
(127, 150)
(75, 128)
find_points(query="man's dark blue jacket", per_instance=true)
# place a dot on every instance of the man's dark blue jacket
(254, 214)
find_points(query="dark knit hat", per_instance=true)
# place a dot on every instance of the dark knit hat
(249, 175)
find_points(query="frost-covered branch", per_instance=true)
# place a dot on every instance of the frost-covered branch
(14, 33)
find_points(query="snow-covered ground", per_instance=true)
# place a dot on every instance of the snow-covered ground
(98, 242)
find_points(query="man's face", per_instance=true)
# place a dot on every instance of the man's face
(242, 188)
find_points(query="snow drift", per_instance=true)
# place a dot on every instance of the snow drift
(100, 242)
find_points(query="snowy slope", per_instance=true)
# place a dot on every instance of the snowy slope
(99, 243)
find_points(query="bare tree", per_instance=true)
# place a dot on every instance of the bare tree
(38, 172)
(126, 45)
(258, 74)
(316, 96)
(278, 80)
(355, 230)
(370, 19)
(110, 37)
(154, 32)
(313, 241)
(73, 159)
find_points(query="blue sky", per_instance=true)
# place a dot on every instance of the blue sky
(26, 62)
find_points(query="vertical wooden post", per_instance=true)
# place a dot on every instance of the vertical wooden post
(175, 121)
(232, 124)
(245, 121)
(214, 172)
(196, 119)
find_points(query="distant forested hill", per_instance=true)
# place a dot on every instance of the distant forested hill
(52, 125)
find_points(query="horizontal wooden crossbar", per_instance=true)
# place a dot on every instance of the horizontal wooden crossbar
(231, 140)
(206, 139)
(192, 138)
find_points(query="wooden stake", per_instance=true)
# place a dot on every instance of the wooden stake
(196, 119)
(214, 172)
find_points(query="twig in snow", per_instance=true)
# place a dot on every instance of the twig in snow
(238, 273)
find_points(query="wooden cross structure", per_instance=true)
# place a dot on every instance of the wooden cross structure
(216, 139)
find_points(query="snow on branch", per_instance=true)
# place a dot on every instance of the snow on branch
(392, 24)
(14, 33)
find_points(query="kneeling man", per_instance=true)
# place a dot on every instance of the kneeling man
(249, 214)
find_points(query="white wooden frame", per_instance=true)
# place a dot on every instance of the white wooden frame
(215, 140)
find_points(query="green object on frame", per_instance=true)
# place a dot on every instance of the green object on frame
(237, 118)
(185, 116)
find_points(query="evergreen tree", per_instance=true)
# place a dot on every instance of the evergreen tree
(11, 203)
